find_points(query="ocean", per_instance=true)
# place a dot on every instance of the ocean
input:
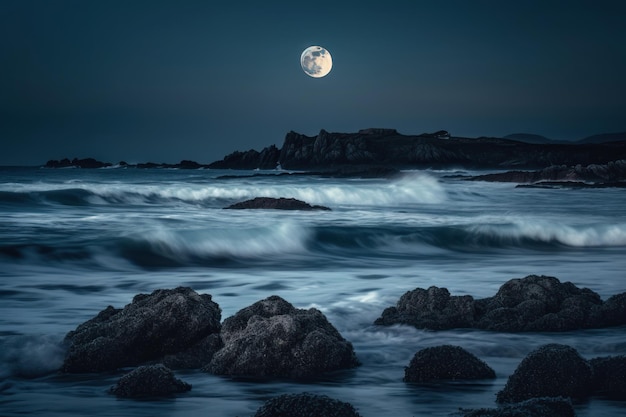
(73, 241)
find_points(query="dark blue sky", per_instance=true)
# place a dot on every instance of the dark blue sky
(169, 80)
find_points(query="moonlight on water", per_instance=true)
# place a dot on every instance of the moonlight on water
(316, 61)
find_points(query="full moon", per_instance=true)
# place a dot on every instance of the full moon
(316, 61)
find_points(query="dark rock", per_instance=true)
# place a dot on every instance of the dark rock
(149, 381)
(609, 172)
(275, 204)
(305, 405)
(534, 303)
(446, 363)
(387, 147)
(535, 407)
(553, 370)
(77, 163)
(272, 338)
(539, 303)
(609, 377)
(197, 355)
(152, 326)
(431, 309)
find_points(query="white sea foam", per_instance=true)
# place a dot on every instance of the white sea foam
(570, 235)
(282, 238)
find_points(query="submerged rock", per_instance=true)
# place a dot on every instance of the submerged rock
(149, 381)
(446, 363)
(305, 405)
(152, 326)
(553, 370)
(609, 377)
(535, 407)
(534, 303)
(272, 338)
(275, 204)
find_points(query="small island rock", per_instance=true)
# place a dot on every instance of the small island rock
(275, 204)
(446, 363)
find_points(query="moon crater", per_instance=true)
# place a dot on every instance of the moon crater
(316, 61)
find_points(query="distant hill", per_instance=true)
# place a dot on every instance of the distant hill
(530, 138)
(604, 137)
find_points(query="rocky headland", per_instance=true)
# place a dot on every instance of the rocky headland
(387, 147)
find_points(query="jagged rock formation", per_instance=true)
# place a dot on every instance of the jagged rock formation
(272, 338)
(275, 204)
(387, 147)
(152, 326)
(446, 363)
(535, 303)
(149, 381)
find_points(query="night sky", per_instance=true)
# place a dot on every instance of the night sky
(163, 81)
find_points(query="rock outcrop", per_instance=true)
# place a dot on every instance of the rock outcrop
(610, 172)
(275, 204)
(152, 326)
(535, 407)
(553, 370)
(149, 381)
(305, 405)
(534, 303)
(272, 338)
(446, 363)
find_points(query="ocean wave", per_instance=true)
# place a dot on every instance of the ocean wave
(411, 189)
(163, 247)
(599, 235)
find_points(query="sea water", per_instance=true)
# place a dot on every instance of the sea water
(74, 241)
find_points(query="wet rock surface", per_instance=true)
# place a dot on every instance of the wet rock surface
(149, 381)
(535, 407)
(534, 303)
(446, 363)
(609, 377)
(152, 326)
(305, 405)
(552, 370)
(272, 338)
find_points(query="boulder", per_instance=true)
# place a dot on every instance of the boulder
(275, 204)
(446, 363)
(609, 377)
(553, 370)
(152, 326)
(272, 338)
(531, 304)
(539, 303)
(433, 309)
(535, 407)
(305, 405)
(149, 381)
